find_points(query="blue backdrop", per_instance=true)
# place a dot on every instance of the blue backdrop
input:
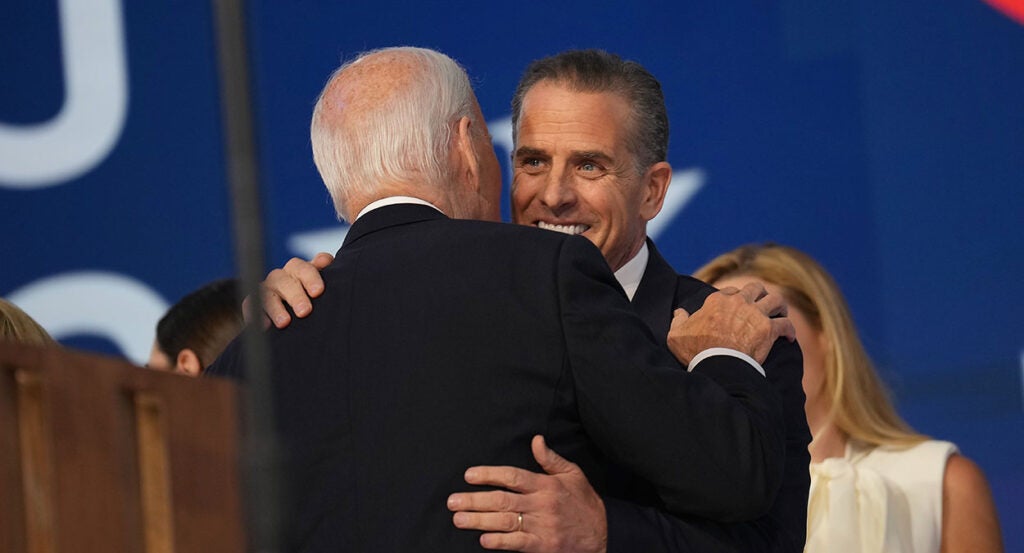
(884, 138)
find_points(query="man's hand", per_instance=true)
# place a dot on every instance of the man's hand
(730, 318)
(560, 510)
(294, 284)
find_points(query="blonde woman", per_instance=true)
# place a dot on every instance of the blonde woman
(876, 484)
(17, 326)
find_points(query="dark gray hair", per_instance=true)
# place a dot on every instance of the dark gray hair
(600, 71)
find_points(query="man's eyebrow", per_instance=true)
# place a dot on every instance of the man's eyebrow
(594, 155)
(526, 151)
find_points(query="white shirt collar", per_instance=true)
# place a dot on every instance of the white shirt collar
(392, 200)
(630, 274)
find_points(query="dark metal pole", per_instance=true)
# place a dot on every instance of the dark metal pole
(263, 491)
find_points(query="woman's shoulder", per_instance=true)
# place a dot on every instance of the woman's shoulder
(917, 469)
(938, 451)
(963, 472)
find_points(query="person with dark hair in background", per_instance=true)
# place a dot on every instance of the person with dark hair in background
(196, 330)
(590, 134)
(441, 341)
(876, 484)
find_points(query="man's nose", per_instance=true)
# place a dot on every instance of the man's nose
(559, 191)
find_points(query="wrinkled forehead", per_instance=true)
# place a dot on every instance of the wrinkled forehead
(603, 114)
(558, 120)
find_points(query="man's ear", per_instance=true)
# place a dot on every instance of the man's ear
(467, 164)
(188, 363)
(655, 185)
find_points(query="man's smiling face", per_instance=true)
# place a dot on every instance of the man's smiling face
(573, 171)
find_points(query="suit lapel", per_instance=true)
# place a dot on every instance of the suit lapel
(662, 290)
(652, 300)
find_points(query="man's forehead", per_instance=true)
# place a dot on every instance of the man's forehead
(582, 129)
(573, 94)
(550, 103)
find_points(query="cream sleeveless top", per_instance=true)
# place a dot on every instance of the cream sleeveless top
(875, 500)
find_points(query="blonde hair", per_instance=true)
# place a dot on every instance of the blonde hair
(860, 404)
(17, 326)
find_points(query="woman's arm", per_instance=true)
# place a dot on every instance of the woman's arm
(969, 519)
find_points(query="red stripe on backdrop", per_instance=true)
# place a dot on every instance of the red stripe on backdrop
(1012, 8)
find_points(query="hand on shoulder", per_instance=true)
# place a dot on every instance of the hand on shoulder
(748, 320)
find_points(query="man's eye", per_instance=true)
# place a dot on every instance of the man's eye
(591, 169)
(531, 163)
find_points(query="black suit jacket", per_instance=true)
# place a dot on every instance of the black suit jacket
(440, 344)
(637, 520)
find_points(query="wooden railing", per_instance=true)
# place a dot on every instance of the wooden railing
(97, 455)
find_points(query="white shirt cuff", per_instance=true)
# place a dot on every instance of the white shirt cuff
(710, 352)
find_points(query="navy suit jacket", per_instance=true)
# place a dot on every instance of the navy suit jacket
(637, 520)
(440, 344)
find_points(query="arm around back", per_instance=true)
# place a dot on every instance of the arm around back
(711, 441)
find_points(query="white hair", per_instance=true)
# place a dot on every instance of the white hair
(405, 138)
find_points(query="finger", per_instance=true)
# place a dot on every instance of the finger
(515, 541)
(679, 318)
(513, 478)
(274, 308)
(307, 275)
(246, 306)
(247, 314)
(322, 260)
(753, 291)
(483, 502)
(783, 327)
(490, 522)
(282, 288)
(772, 305)
(551, 462)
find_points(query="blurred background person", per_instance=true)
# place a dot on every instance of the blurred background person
(17, 326)
(876, 484)
(196, 330)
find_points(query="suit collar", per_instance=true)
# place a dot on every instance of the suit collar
(390, 216)
(394, 200)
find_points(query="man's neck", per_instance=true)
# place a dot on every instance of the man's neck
(630, 274)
